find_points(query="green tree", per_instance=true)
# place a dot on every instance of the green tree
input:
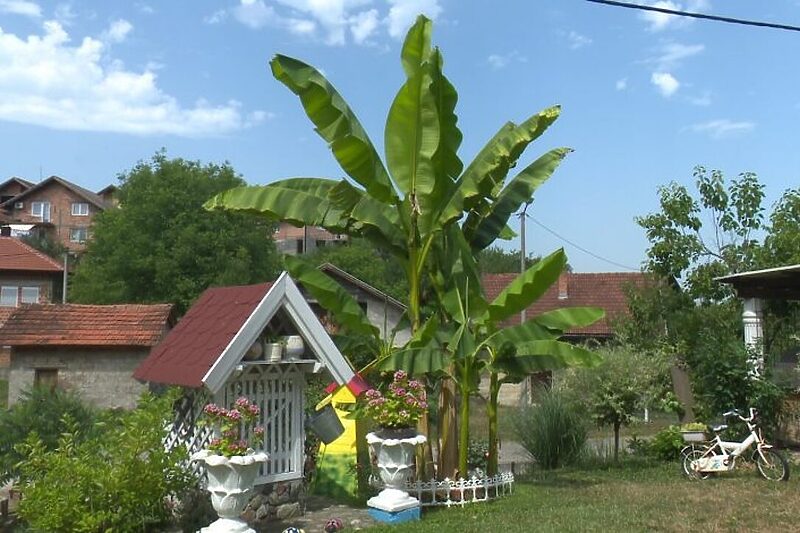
(495, 260)
(681, 247)
(161, 246)
(368, 263)
(46, 245)
(423, 207)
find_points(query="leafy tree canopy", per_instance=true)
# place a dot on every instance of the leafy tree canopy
(160, 245)
(495, 260)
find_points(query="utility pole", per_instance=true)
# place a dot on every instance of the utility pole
(64, 282)
(527, 392)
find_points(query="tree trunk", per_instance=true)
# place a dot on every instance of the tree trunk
(448, 430)
(616, 441)
(463, 439)
(491, 413)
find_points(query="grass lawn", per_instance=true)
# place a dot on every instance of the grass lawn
(631, 497)
(3, 394)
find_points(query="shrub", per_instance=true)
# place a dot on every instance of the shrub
(553, 431)
(666, 444)
(41, 411)
(119, 478)
(478, 456)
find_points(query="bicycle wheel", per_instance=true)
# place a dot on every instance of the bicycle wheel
(772, 465)
(690, 455)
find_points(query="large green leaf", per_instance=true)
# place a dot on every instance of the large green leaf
(300, 201)
(541, 355)
(416, 46)
(567, 318)
(526, 332)
(331, 296)
(416, 361)
(527, 287)
(518, 192)
(490, 167)
(412, 137)
(337, 124)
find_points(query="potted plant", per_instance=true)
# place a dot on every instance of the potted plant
(273, 348)
(694, 432)
(396, 410)
(231, 462)
(293, 347)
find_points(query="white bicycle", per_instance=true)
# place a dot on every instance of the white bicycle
(703, 460)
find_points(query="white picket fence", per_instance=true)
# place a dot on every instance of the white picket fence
(461, 492)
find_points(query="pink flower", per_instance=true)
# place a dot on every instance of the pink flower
(259, 430)
(234, 415)
(414, 384)
(400, 375)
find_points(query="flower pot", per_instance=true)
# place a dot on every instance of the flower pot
(294, 347)
(395, 457)
(325, 424)
(273, 352)
(693, 436)
(230, 482)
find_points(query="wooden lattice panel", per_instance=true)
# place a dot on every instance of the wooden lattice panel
(185, 430)
(279, 391)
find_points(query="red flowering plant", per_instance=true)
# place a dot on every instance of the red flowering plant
(232, 426)
(400, 405)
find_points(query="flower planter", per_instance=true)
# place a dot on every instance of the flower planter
(693, 436)
(230, 482)
(395, 457)
(294, 347)
(273, 352)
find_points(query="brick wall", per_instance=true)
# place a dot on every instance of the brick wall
(61, 200)
(49, 284)
(103, 377)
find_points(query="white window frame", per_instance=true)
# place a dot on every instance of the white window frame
(5, 291)
(72, 234)
(43, 210)
(26, 299)
(80, 209)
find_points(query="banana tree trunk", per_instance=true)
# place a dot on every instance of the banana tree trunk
(491, 413)
(448, 430)
(463, 434)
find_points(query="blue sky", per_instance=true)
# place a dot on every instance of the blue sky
(87, 89)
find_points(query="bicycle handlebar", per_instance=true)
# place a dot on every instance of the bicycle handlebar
(735, 412)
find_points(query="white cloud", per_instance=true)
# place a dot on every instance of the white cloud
(670, 55)
(576, 40)
(20, 7)
(47, 81)
(65, 14)
(254, 13)
(621, 84)
(216, 17)
(363, 25)
(118, 31)
(722, 128)
(498, 61)
(403, 13)
(660, 21)
(145, 9)
(665, 82)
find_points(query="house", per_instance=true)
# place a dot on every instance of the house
(54, 207)
(606, 290)
(27, 275)
(88, 349)
(296, 241)
(217, 353)
(383, 311)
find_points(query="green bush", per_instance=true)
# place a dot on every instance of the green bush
(666, 444)
(553, 431)
(40, 411)
(118, 479)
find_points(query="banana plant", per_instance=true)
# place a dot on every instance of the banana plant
(408, 204)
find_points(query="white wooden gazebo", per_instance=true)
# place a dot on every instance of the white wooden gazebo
(205, 354)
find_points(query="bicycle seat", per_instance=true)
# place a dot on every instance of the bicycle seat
(721, 427)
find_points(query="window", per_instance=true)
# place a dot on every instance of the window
(46, 377)
(80, 209)
(30, 295)
(41, 210)
(78, 234)
(8, 296)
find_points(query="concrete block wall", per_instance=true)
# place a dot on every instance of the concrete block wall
(101, 377)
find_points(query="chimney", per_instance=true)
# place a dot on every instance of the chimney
(563, 286)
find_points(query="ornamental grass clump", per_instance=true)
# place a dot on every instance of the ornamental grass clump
(400, 405)
(232, 426)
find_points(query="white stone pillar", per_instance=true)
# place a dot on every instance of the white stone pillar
(753, 332)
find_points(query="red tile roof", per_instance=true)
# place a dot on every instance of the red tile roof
(603, 289)
(194, 345)
(85, 325)
(16, 255)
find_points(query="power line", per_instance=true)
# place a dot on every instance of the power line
(581, 248)
(690, 14)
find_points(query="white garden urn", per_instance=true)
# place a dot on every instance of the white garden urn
(230, 482)
(395, 457)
